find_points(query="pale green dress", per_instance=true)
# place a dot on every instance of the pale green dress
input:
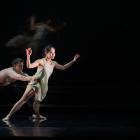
(42, 74)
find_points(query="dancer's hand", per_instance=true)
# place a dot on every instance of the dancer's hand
(33, 78)
(76, 57)
(28, 51)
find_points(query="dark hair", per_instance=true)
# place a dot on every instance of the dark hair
(47, 49)
(16, 61)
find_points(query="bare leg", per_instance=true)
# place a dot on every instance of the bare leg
(27, 94)
(36, 107)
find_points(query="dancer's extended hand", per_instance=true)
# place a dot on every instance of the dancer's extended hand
(76, 57)
(28, 51)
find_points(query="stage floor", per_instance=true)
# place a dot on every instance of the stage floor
(76, 112)
(70, 123)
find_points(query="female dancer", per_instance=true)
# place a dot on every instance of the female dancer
(39, 87)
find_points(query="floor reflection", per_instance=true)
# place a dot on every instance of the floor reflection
(34, 130)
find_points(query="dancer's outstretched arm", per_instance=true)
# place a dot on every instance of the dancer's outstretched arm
(66, 66)
(20, 77)
(28, 62)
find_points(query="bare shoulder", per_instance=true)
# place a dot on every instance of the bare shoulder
(41, 62)
(10, 70)
(6, 70)
(54, 62)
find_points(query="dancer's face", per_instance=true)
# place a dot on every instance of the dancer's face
(19, 67)
(51, 54)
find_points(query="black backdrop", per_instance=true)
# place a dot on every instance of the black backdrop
(106, 34)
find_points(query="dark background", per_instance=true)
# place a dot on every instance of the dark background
(105, 33)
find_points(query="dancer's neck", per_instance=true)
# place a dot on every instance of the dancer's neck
(48, 59)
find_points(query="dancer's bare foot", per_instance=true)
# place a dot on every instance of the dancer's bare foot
(38, 121)
(38, 117)
(5, 119)
(7, 122)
